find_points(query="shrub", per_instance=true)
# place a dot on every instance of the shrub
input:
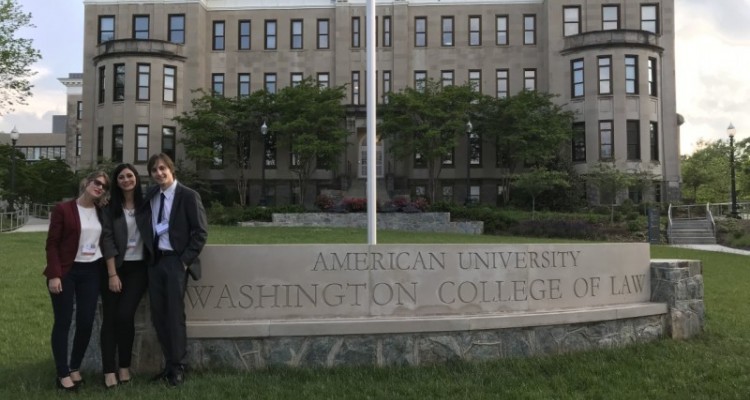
(355, 204)
(324, 202)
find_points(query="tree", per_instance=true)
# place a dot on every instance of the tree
(428, 122)
(52, 181)
(539, 180)
(528, 129)
(219, 130)
(310, 120)
(610, 182)
(16, 57)
(705, 173)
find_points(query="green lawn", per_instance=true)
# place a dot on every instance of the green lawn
(714, 366)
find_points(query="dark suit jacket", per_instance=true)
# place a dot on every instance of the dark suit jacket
(188, 226)
(63, 239)
(116, 234)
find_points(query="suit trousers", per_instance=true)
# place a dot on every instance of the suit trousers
(118, 314)
(80, 292)
(166, 291)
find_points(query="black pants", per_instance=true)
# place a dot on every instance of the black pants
(80, 291)
(166, 291)
(118, 314)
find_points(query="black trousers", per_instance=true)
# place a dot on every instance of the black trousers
(80, 292)
(166, 291)
(118, 314)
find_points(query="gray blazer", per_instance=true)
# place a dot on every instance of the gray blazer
(188, 226)
(116, 235)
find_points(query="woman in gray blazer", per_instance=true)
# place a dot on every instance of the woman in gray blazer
(127, 277)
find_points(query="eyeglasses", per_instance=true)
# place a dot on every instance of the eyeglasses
(100, 184)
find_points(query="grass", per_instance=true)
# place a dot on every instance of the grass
(713, 366)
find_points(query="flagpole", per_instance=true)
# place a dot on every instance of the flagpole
(372, 205)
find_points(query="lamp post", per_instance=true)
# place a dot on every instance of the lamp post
(13, 138)
(731, 131)
(263, 132)
(468, 163)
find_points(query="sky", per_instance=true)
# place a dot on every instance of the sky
(712, 54)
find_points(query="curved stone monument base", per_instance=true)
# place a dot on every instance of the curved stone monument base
(675, 310)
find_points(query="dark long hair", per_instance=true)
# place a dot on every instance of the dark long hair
(117, 197)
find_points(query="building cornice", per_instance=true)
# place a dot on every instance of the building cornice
(298, 4)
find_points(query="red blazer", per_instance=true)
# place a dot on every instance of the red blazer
(63, 237)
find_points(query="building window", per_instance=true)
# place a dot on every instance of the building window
(529, 79)
(118, 88)
(243, 31)
(141, 143)
(650, 18)
(217, 84)
(475, 149)
(296, 78)
(474, 194)
(420, 78)
(447, 191)
(501, 83)
(579, 142)
(529, 29)
(176, 28)
(447, 159)
(475, 80)
(168, 141)
(419, 161)
(475, 30)
(387, 31)
(271, 34)
(653, 129)
(79, 110)
(576, 75)
(218, 156)
(79, 143)
(243, 85)
(447, 31)
(117, 143)
(140, 26)
(269, 82)
(606, 143)
(218, 36)
(294, 158)
(323, 33)
(631, 74)
(605, 74)
(386, 85)
(355, 87)
(571, 20)
(100, 144)
(144, 82)
(170, 73)
(296, 34)
(610, 17)
(446, 78)
(102, 84)
(324, 80)
(633, 132)
(501, 30)
(106, 28)
(652, 77)
(355, 32)
(420, 31)
(270, 158)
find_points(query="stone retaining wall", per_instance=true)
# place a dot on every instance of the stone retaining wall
(676, 283)
(412, 222)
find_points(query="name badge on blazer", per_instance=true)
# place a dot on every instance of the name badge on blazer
(162, 227)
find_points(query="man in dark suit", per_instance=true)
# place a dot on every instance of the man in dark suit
(176, 235)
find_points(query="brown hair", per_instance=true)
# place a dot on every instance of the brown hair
(90, 178)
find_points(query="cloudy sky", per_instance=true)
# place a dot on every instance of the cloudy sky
(713, 52)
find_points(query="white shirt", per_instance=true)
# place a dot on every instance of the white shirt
(91, 231)
(164, 243)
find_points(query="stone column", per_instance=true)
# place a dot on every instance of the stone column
(679, 283)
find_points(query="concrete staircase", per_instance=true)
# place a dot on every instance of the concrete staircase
(359, 189)
(691, 231)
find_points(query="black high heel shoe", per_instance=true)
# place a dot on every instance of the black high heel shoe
(60, 386)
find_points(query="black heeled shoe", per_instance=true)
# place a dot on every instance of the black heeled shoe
(60, 386)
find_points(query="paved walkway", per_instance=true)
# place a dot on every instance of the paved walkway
(41, 225)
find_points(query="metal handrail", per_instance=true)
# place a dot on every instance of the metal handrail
(12, 220)
(710, 216)
(669, 221)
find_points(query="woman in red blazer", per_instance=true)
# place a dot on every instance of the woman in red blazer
(74, 262)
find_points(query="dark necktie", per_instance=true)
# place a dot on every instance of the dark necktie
(162, 200)
(161, 208)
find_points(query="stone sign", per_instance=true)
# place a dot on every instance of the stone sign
(283, 282)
